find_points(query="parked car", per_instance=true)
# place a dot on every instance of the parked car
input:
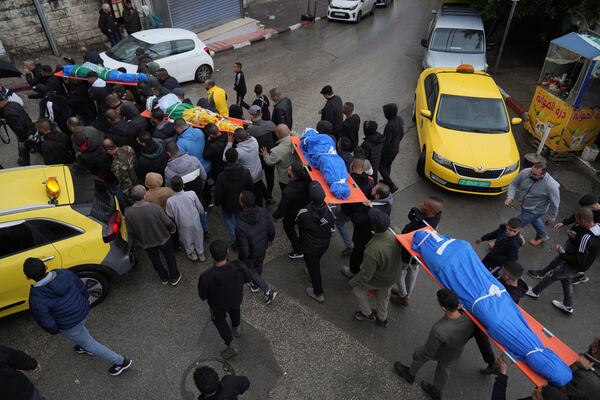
(68, 219)
(456, 36)
(177, 50)
(465, 136)
(350, 10)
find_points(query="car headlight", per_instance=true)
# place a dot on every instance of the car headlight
(512, 168)
(442, 161)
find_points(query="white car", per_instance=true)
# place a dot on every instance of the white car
(179, 51)
(350, 10)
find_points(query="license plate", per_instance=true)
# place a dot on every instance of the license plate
(339, 14)
(468, 182)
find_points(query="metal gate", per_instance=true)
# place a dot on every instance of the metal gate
(200, 15)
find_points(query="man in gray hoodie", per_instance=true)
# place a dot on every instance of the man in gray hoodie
(540, 196)
(248, 157)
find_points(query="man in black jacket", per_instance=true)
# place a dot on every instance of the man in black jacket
(153, 156)
(131, 19)
(230, 183)
(351, 124)
(14, 384)
(18, 120)
(239, 85)
(167, 81)
(393, 134)
(429, 213)
(80, 102)
(293, 199)
(108, 25)
(216, 142)
(315, 223)
(163, 129)
(254, 234)
(55, 146)
(572, 260)
(282, 108)
(228, 388)
(90, 56)
(332, 111)
(98, 93)
(262, 101)
(222, 286)
(122, 132)
(264, 132)
(90, 155)
(362, 234)
(373, 146)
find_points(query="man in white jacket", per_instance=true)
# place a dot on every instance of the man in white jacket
(248, 157)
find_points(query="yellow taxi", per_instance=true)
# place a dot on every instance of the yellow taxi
(68, 219)
(464, 130)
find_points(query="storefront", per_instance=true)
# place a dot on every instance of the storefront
(197, 15)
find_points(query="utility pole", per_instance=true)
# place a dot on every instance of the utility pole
(510, 17)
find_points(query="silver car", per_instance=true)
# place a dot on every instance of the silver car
(456, 36)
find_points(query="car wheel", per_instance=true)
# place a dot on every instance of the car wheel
(96, 284)
(359, 17)
(203, 73)
(421, 164)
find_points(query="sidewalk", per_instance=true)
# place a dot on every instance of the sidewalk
(279, 14)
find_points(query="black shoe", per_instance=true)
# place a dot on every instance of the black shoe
(117, 369)
(346, 252)
(404, 372)
(580, 279)
(431, 390)
(394, 189)
(270, 296)
(293, 255)
(175, 281)
(359, 316)
(80, 350)
(253, 287)
(489, 370)
(535, 274)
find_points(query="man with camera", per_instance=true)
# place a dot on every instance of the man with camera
(18, 120)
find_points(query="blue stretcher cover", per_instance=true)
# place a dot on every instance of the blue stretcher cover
(106, 74)
(456, 266)
(321, 153)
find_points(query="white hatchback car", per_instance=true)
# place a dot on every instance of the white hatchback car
(350, 10)
(179, 51)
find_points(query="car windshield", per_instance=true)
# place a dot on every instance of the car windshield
(472, 114)
(124, 51)
(448, 40)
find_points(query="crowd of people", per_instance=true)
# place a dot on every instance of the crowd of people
(168, 175)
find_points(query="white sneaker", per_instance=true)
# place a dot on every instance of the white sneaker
(192, 256)
(531, 293)
(561, 306)
(201, 257)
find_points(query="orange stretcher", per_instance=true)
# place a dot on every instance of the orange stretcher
(60, 74)
(236, 121)
(356, 195)
(546, 337)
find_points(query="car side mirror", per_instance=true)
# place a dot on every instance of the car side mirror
(424, 43)
(516, 121)
(426, 114)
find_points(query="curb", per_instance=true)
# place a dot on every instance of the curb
(512, 103)
(291, 28)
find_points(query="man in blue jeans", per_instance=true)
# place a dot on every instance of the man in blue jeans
(59, 302)
(540, 195)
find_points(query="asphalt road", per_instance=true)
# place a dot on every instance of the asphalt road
(296, 348)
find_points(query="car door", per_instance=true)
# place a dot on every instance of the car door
(188, 58)
(18, 241)
(163, 54)
(429, 102)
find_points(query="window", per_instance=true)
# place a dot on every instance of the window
(183, 46)
(160, 50)
(19, 236)
(431, 92)
(125, 50)
(448, 40)
(472, 114)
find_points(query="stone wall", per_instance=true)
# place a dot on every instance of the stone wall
(72, 22)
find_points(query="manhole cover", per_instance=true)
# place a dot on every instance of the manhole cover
(188, 388)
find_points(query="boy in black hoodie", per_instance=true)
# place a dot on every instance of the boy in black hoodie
(429, 213)
(373, 145)
(504, 245)
(316, 223)
(393, 134)
(239, 85)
